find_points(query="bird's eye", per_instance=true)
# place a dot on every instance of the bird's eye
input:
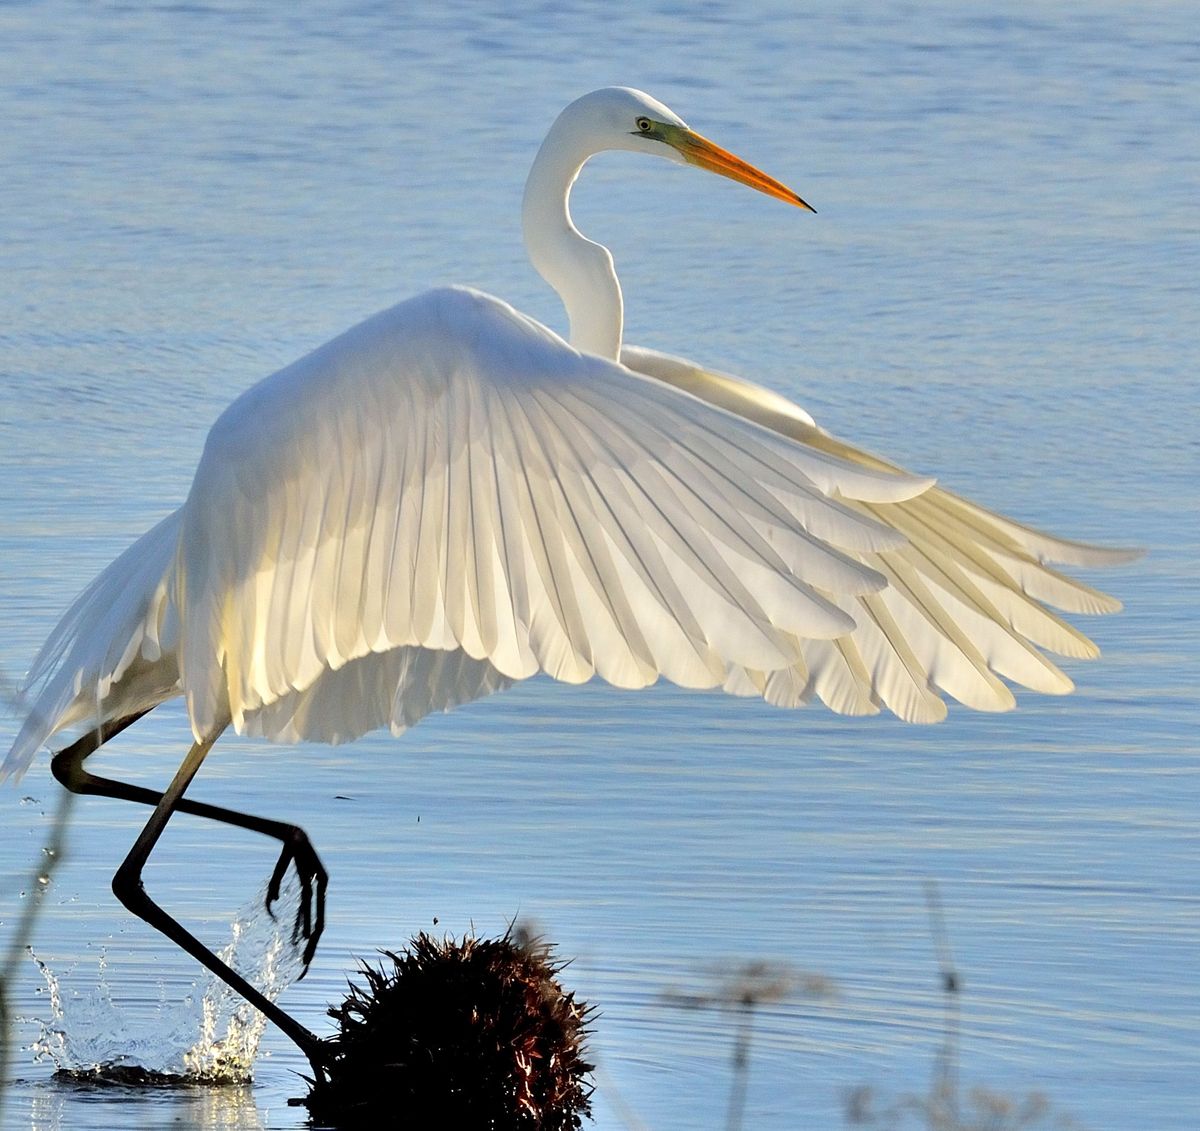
(645, 125)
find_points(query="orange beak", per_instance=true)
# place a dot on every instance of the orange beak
(697, 150)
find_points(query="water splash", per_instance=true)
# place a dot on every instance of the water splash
(262, 951)
(211, 1036)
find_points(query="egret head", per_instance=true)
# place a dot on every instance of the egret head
(581, 270)
(619, 117)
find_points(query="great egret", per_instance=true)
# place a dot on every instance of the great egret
(449, 497)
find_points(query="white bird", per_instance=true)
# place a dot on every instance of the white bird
(449, 497)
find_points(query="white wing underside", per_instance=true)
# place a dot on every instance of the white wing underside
(967, 593)
(448, 498)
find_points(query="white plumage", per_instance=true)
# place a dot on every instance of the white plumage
(449, 497)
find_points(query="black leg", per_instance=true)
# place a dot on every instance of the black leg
(67, 767)
(128, 888)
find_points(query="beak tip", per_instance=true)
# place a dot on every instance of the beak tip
(699, 151)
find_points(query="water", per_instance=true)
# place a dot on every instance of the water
(211, 1036)
(999, 287)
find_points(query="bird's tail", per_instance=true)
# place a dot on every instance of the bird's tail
(113, 653)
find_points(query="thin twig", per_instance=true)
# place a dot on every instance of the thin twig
(945, 1079)
(741, 1064)
(39, 883)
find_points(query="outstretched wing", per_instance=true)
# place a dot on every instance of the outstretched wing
(448, 498)
(452, 476)
(966, 596)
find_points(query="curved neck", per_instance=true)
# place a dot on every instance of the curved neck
(579, 270)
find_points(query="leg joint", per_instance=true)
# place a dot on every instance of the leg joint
(131, 892)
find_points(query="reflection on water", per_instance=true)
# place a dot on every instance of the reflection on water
(66, 1106)
(999, 288)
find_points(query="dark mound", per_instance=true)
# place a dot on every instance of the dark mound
(471, 1034)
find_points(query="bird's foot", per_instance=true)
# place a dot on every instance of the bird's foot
(309, 923)
(321, 1054)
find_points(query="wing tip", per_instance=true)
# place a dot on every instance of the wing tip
(32, 736)
(18, 760)
(1085, 554)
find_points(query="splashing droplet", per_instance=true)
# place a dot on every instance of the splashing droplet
(211, 1036)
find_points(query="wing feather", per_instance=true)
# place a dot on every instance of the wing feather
(671, 629)
(839, 677)
(591, 531)
(967, 589)
(452, 477)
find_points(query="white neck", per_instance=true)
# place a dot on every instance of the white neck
(579, 270)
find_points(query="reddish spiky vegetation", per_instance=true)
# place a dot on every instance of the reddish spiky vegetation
(476, 1033)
